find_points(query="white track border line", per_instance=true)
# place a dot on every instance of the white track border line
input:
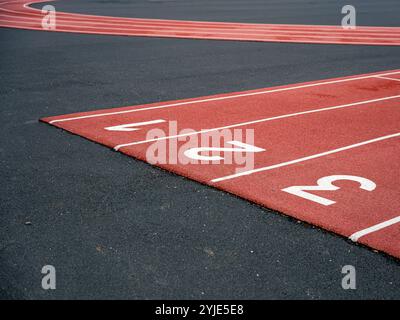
(240, 124)
(357, 235)
(223, 98)
(387, 78)
(314, 156)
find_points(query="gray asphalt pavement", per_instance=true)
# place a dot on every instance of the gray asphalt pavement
(115, 227)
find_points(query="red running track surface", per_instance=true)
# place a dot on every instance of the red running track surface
(343, 133)
(18, 14)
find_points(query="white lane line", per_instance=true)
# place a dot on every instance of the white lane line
(222, 98)
(116, 148)
(387, 78)
(318, 155)
(357, 235)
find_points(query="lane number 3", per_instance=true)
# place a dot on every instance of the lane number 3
(326, 184)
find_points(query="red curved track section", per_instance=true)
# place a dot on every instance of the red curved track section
(18, 14)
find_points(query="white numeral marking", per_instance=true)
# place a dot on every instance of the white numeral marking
(194, 153)
(325, 184)
(133, 126)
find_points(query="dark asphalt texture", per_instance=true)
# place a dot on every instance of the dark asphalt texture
(115, 227)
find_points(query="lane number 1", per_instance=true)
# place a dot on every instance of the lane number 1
(133, 126)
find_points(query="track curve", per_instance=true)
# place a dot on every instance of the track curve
(19, 14)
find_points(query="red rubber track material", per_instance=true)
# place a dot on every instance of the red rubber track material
(18, 14)
(337, 128)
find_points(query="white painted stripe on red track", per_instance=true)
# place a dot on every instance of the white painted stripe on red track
(257, 121)
(357, 235)
(318, 155)
(222, 98)
(387, 78)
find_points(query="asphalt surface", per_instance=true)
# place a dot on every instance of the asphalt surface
(115, 227)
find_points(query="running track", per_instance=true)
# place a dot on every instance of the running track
(326, 152)
(18, 14)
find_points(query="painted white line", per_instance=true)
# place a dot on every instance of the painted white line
(357, 235)
(255, 122)
(318, 155)
(129, 127)
(387, 78)
(222, 98)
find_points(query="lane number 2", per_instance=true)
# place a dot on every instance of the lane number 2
(326, 184)
(194, 153)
